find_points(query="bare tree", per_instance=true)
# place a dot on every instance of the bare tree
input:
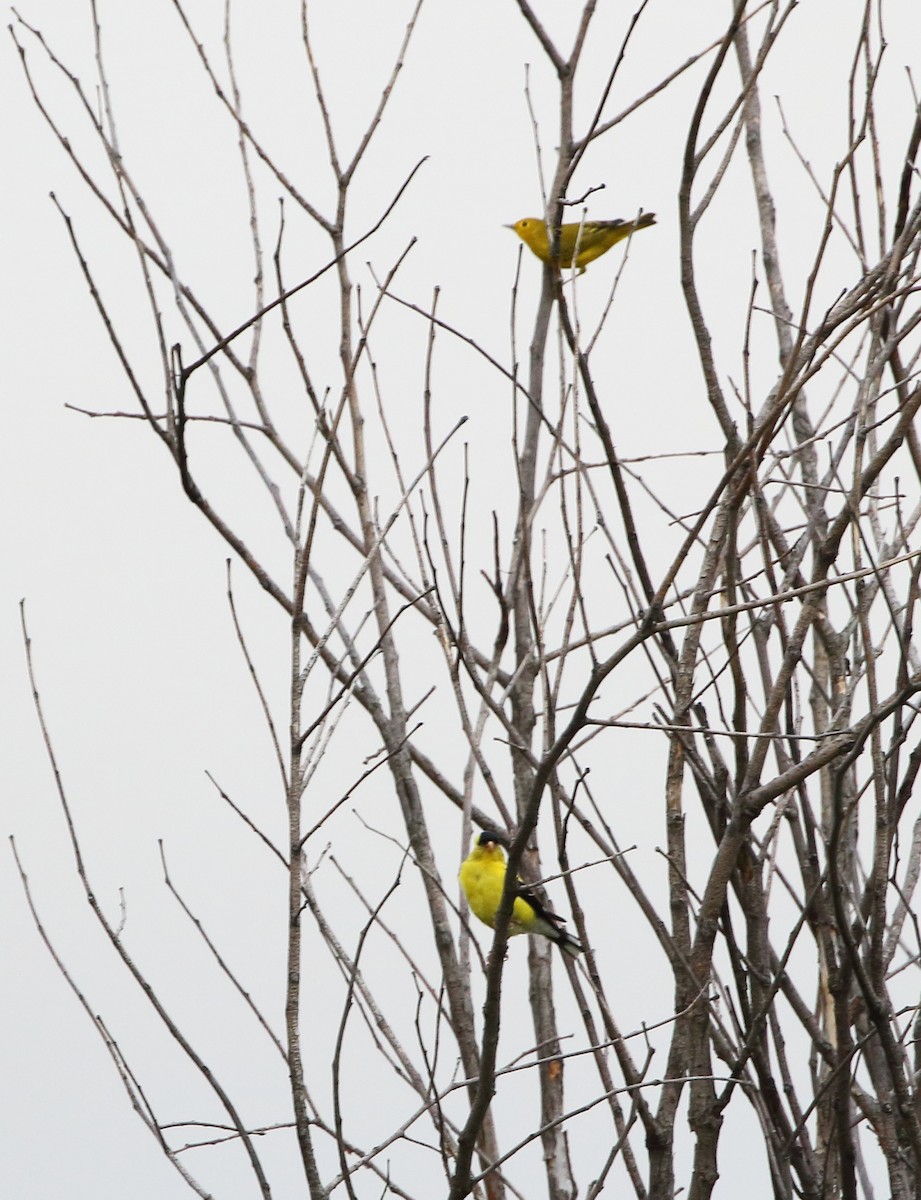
(761, 639)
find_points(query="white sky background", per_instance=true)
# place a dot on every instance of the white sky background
(142, 680)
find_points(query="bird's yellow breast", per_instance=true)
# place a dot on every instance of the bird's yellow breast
(482, 877)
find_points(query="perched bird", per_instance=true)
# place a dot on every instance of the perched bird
(482, 876)
(593, 238)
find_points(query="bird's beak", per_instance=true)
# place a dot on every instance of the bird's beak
(508, 226)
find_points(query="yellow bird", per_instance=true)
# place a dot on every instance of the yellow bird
(482, 876)
(593, 238)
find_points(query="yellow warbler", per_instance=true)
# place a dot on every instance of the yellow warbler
(593, 238)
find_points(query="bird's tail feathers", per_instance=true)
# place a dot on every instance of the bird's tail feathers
(568, 944)
(553, 929)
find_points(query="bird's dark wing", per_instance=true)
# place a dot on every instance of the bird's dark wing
(523, 892)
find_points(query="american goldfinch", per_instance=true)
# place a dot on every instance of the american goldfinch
(587, 240)
(482, 876)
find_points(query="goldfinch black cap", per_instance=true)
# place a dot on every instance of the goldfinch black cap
(490, 835)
